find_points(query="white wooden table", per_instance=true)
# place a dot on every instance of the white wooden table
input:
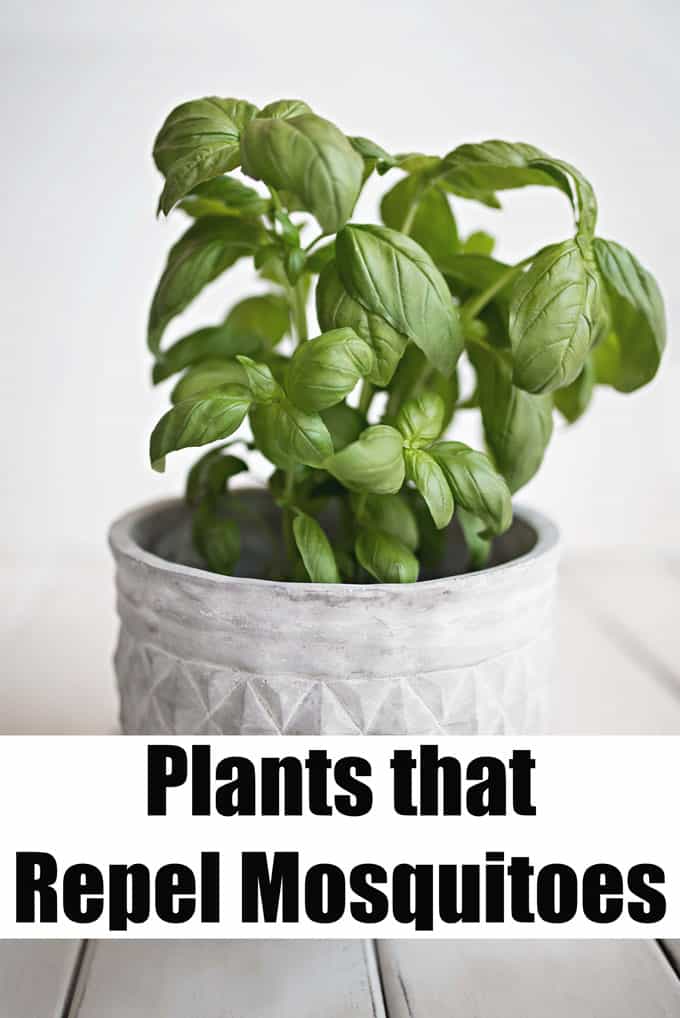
(618, 672)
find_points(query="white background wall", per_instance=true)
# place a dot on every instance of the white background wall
(86, 86)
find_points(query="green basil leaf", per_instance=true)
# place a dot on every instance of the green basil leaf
(210, 374)
(284, 109)
(374, 463)
(433, 225)
(267, 316)
(198, 421)
(478, 243)
(476, 486)
(336, 309)
(490, 166)
(311, 158)
(216, 539)
(253, 325)
(373, 155)
(410, 162)
(390, 514)
(574, 399)
(199, 140)
(344, 423)
(392, 276)
(633, 353)
(201, 254)
(555, 316)
(261, 382)
(202, 347)
(478, 545)
(315, 550)
(224, 196)
(325, 370)
(288, 436)
(209, 475)
(386, 558)
(421, 419)
(430, 480)
(517, 424)
(368, 149)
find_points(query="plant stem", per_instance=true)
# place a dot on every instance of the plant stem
(299, 312)
(287, 522)
(314, 242)
(497, 351)
(365, 397)
(472, 307)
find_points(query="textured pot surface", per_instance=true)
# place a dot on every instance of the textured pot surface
(205, 654)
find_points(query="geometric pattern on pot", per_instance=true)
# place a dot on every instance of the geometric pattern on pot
(160, 694)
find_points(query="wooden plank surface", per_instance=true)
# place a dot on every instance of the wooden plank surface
(599, 686)
(35, 977)
(635, 601)
(528, 979)
(231, 979)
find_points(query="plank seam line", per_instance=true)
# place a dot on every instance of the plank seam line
(78, 980)
(672, 962)
(375, 979)
(629, 641)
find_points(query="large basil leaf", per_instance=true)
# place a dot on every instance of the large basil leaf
(555, 317)
(210, 374)
(476, 486)
(630, 356)
(315, 550)
(421, 419)
(224, 196)
(574, 399)
(198, 421)
(430, 480)
(216, 539)
(201, 254)
(390, 514)
(392, 276)
(287, 435)
(432, 226)
(209, 475)
(311, 158)
(325, 370)
(336, 309)
(252, 325)
(500, 165)
(199, 140)
(385, 557)
(517, 424)
(374, 463)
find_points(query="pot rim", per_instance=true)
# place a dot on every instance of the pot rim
(123, 544)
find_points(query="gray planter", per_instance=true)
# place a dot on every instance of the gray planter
(205, 654)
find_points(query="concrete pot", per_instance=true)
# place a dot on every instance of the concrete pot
(205, 654)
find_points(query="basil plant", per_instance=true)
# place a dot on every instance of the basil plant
(353, 420)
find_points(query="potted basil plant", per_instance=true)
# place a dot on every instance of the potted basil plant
(379, 581)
